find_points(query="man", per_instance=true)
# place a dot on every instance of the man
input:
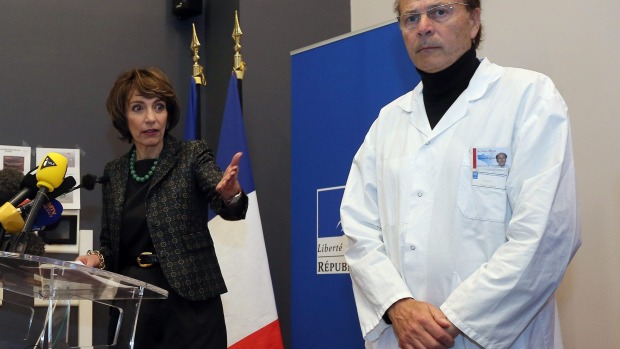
(441, 254)
(501, 159)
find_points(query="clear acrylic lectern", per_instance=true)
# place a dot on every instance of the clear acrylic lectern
(57, 283)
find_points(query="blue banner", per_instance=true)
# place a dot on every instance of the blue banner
(338, 88)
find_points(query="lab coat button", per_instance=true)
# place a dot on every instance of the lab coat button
(412, 247)
(420, 194)
(428, 143)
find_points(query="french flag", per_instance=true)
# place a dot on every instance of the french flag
(249, 305)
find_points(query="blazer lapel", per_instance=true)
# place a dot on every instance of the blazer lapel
(167, 160)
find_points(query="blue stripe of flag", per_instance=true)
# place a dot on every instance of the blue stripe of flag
(189, 133)
(232, 137)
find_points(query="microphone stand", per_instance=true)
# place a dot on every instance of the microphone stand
(2, 234)
(34, 210)
(20, 243)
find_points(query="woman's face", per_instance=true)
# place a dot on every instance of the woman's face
(146, 119)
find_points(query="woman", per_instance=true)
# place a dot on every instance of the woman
(154, 220)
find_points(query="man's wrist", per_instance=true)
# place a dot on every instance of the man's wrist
(386, 316)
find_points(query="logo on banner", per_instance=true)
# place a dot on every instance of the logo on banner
(330, 240)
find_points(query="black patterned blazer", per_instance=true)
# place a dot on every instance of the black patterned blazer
(181, 189)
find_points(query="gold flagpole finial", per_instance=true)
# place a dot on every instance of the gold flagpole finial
(196, 68)
(239, 64)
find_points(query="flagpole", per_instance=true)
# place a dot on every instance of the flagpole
(249, 306)
(239, 64)
(199, 78)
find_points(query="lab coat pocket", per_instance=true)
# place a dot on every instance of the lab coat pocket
(480, 203)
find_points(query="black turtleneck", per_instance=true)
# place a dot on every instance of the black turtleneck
(441, 89)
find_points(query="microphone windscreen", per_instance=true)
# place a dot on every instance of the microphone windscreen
(52, 171)
(49, 213)
(88, 181)
(29, 180)
(64, 187)
(27, 243)
(35, 245)
(10, 181)
(11, 219)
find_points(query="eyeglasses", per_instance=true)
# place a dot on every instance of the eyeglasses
(439, 14)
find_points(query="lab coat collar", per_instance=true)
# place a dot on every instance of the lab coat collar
(413, 103)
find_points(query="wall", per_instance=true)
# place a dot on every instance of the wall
(578, 49)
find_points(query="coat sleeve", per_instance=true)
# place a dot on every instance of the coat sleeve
(496, 303)
(377, 284)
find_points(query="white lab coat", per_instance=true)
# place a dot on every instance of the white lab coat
(490, 258)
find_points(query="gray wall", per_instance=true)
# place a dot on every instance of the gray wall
(58, 60)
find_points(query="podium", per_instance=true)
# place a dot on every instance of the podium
(56, 283)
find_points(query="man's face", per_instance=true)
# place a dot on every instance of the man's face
(434, 46)
(501, 160)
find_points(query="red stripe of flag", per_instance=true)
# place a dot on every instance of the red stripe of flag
(268, 337)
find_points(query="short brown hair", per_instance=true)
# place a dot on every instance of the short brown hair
(472, 4)
(148, 82)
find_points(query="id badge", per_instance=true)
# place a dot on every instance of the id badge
(490, 166)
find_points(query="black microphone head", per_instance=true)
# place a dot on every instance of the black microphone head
(10, 182)
(29, 180)
(88, 181)
(64, 187)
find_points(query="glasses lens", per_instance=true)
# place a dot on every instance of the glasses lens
(410, 20)
(440, 13)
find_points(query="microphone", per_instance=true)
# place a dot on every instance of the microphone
(12, 219)
(28, 188)
(13, 181)
(65, 187)
(90, 180)
(50, 176)
(49, 213)
(30, 242)
(51, 172)
(10, 179)
(10, 184)
(27, 243)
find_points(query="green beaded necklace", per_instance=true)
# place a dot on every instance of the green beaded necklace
(132, 169)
